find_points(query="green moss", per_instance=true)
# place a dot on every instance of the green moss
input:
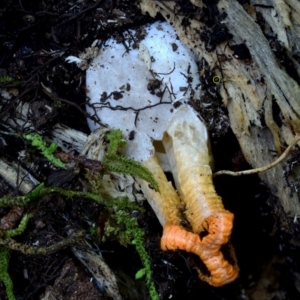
(4, 276)
(37, 141)
(4, 256)
(6, 79)
(118, 163)
(20, 229)
(136, 234)
(124, 227)
(92, 230)
(121, 225)
(116, 141)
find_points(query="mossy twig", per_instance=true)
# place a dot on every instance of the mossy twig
(4, 255)
(41, 190)
(4, 276)
(33, 250)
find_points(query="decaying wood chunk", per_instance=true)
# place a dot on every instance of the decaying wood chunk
(261, 98)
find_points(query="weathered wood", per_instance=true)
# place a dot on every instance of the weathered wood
(250, 102)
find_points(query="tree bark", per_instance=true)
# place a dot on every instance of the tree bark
(261, 97)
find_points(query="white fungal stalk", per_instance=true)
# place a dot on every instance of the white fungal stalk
(187, 147)
(166, 202)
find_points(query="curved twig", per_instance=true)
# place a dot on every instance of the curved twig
(261, 169)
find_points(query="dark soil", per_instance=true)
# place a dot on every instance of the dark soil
(35, 39)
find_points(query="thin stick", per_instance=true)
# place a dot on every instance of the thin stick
(261, 169)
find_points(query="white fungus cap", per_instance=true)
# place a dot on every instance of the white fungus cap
(119, 85)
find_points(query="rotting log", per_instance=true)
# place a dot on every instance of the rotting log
(262, 99)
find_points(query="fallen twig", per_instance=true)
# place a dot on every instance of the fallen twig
(261, 169)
